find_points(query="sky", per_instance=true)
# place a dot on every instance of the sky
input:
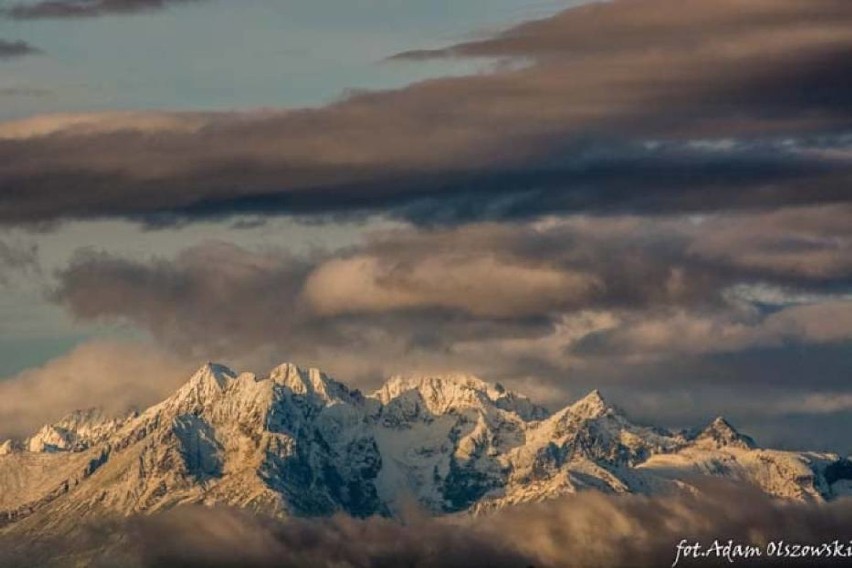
(222, 55)
(649, 197)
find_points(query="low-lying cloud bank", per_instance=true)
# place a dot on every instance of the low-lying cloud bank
(115, 376)
(580, 531)
(640, 105)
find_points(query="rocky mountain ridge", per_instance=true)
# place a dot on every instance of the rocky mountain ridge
(297, 442)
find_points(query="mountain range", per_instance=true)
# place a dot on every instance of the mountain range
(297, 442)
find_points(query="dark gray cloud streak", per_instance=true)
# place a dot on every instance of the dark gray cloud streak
(18, 48)
(569, 131)
(51, 9)
(583, 531)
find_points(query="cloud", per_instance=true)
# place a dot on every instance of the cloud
(814, 246)
(586, 530)
(83, 124)
(23, 92)
(16, 258)
(637, 26)
(682, 309)
(84, 8)
(545, 298)
(14, 49)
(366, 285)
(216, 295)
(665, 307)
(115, 376)
(618, 109)
(673, 332)
(614, 261)
(489, 271)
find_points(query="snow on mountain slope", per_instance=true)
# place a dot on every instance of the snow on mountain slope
(77, 431)
(442, 438)
(298, 442)
(588, 445)
(455, 392)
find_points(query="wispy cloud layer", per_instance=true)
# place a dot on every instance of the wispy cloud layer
(112, 375)
(17, 258)
(83, 8)
(13, 49)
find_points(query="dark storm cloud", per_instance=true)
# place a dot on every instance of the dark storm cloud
(605, 117)
(84, 8)
(13, 49)
(585, 530)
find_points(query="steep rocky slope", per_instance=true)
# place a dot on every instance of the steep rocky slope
(298, 442)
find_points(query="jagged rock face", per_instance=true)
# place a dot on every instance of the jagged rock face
(720, 434)
(298, 442)
(77, 431)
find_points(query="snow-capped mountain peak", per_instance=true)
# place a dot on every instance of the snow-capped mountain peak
(720, 433)
(591, 406)
(77, 431)
(443, 393)
(441, 390)
(308, 382)
(296, 441)
(204, 386)
(220, 374)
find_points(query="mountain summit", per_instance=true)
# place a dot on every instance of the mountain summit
(297, 442)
